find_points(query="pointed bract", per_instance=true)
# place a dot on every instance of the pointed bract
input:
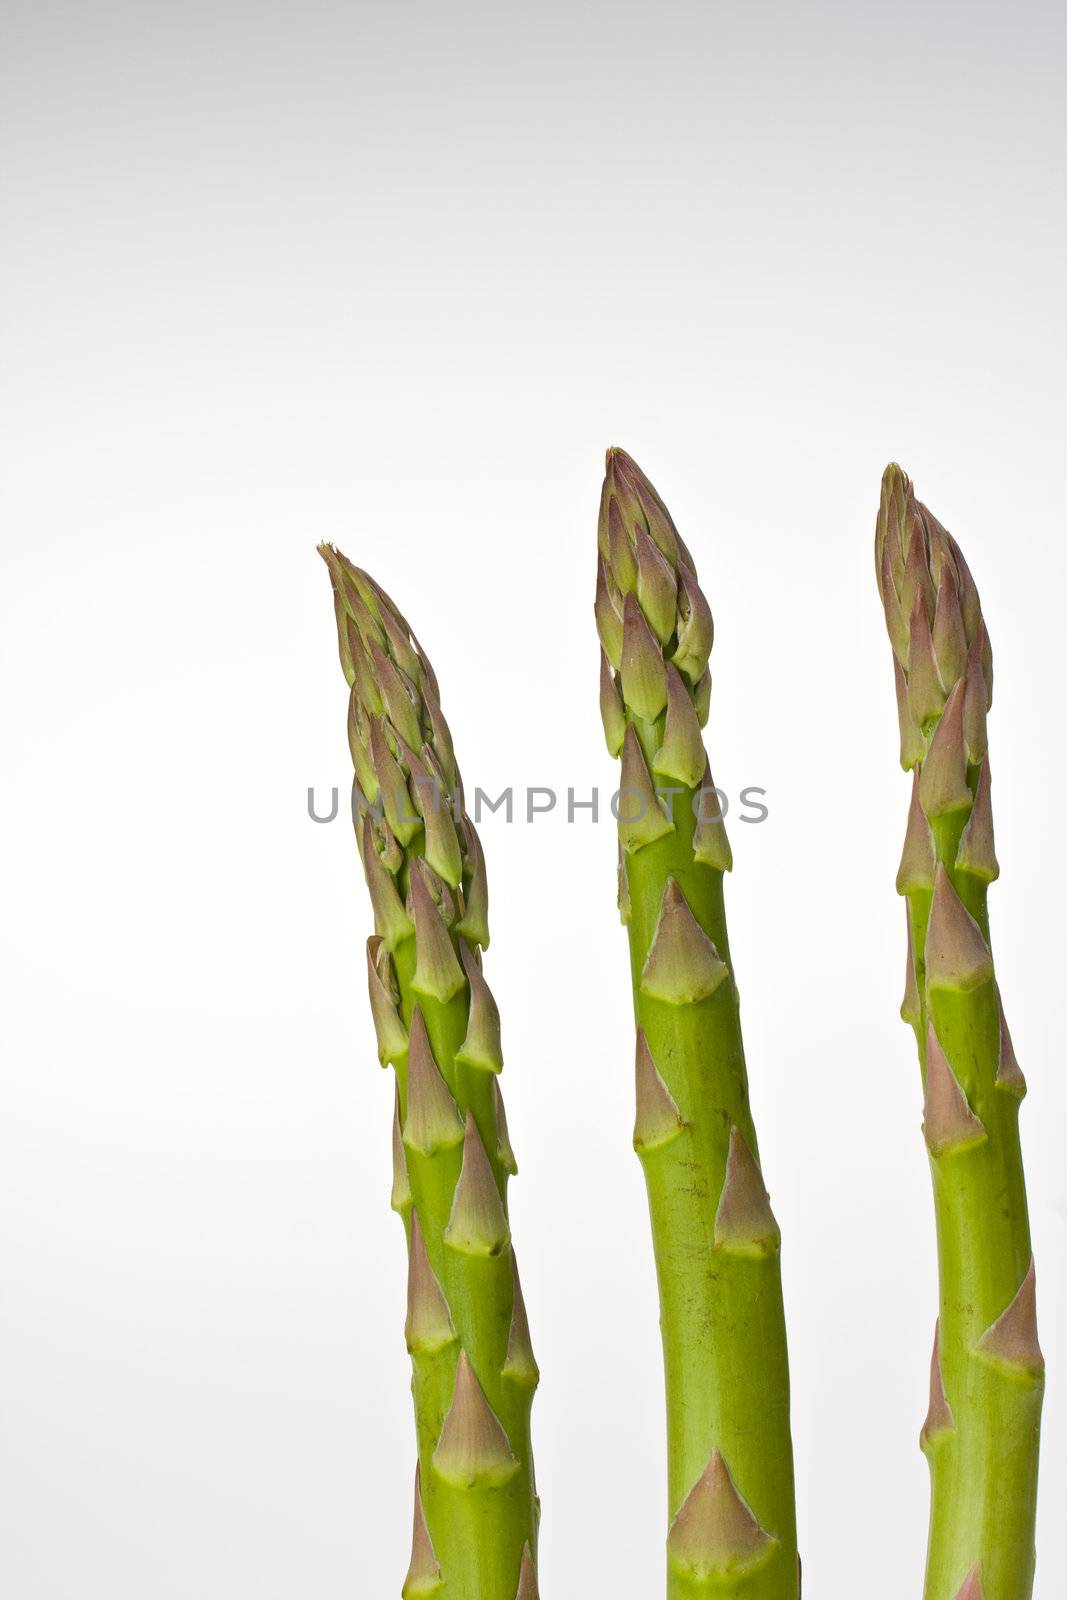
(473, 1451)
(424, 1574)
(640, 812)
(917, 585)
(527, 1589)
(391, 921)
(1012, 1340)
(643, 673)
(389, 1029)
(681, 755)
(939, 1419)
(976, 701)
(400, 1199)
(977, 854)
(949, 636)
(682, 966)
(702, 697)
(657, 586)
(622, 896)
(1009, 1073)
(912, 747)
(478, 1224)
(943, 781)
(519, 1363)
(621, 555)
(715, 1536)
(505, 1154)
(400, 812)
(696, 630)
(744, 1222)
(925, 694)
(658, 1119)
(401, 648)
(433, 1121)
(481, 1044)
(911, 1005)
(442, 848)
(895, 621)
(400, 702)
(429, 1322)
(957, 956)
(440, 735)
(608, 617)
(474, 923)
(948, 1121)
(365, 787)
(972, 1586)
(612, 711)
(438, 973)
(711, 847)
(916, 870)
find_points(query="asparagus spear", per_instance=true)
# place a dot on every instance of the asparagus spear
(987, 1373)
(473, 1369)
(730, 1470)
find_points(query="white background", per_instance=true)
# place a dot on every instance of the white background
(395, 277)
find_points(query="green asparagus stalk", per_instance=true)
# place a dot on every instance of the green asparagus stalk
(473, 1369)
(731, 1506)
(987, 1373)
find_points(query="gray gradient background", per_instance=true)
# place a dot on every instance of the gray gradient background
(396, 276)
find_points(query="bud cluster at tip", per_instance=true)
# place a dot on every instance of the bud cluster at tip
(942, 660)
(654, 623)
(409, 794)
(944, 676)
(656, 633)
